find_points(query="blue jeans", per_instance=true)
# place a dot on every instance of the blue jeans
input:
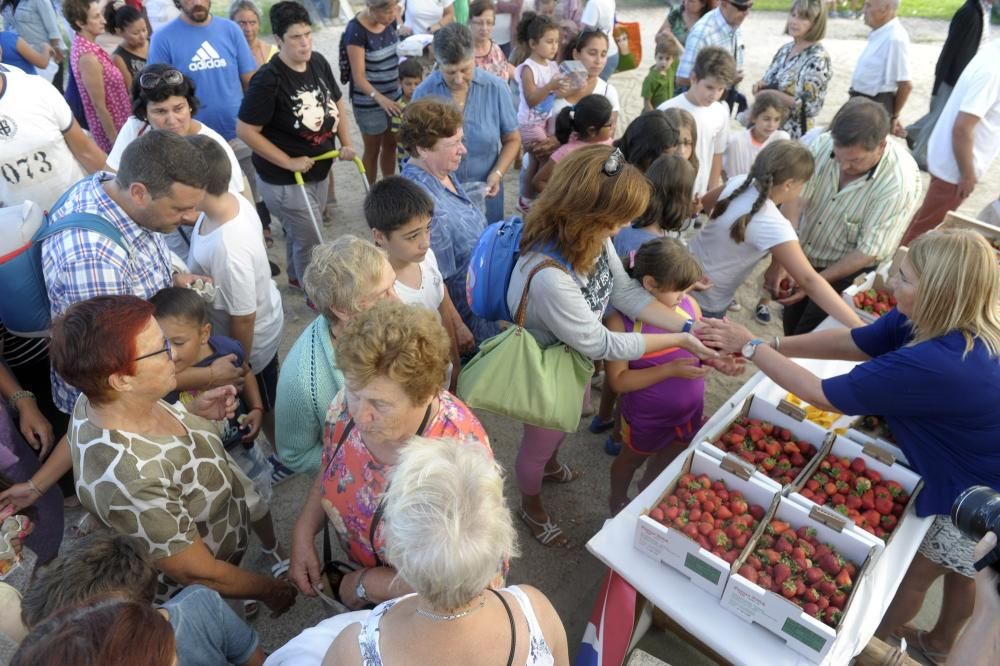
(610, 67)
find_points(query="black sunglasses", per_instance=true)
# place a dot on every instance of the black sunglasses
(614, 164)
(166, 350)
(740, 8)
(151, 80)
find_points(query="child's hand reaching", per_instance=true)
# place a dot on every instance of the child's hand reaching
(704, 284)
(250, 424)
(727, 365)
(687, 368)
(560, 85)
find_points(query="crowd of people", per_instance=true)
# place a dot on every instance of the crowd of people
(150, 388)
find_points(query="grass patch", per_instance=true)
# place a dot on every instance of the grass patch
(931, 9)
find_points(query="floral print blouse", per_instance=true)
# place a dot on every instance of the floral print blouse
(353, 480)
(494, 62)
(805, 77)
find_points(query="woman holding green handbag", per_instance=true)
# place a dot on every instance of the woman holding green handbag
(592, 194)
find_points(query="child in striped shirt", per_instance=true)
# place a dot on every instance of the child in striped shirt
(411, 73)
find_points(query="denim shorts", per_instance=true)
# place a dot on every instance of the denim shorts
(372, 120)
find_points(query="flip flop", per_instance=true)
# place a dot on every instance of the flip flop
(936, 658)
(562, 475)
(279, 472)
(549, 534)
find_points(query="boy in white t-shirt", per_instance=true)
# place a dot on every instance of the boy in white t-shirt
(714, 71)
(399, 212)
(227, 244)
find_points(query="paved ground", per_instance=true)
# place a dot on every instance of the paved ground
(570, 578)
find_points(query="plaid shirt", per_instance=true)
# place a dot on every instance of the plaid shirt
(710, 30)
(80, 264)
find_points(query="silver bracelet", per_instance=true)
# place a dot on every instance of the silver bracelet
(776, 345)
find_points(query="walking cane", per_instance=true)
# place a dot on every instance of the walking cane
(330, 155)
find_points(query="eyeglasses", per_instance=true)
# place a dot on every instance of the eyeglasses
(614, 164)
(151, 80)
(740, 8)
(166, 350)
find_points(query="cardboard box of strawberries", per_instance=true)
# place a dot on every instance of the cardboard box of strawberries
(865, 484)
(800, 575)
(706, 518)
(777, 439)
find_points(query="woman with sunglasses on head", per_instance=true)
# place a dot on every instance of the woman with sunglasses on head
(150, 469)
(593, 194)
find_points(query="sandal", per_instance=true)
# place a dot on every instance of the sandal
(917, 645)
(597, 426)
(250, 609)
(547, 533)
(280, 567)
(268, 241)
(279, 472)
(562, 475)
(87, 524)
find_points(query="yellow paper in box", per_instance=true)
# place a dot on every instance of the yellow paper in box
(818, 416)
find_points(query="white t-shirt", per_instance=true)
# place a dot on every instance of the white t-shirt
(727, 263)
(233, 255)
(741, 150)
(600, 14)
(602, 87)
(134, 127)
(35, 162)
(160, 12)
(422, 14)
(430, 293)
(713, 134)
(977, 92)
(884, 62)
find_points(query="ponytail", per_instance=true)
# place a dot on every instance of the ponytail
(778, 162)
(586, 118)
(532, 27)
(119, 16)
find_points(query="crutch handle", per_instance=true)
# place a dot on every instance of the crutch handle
(330, 155)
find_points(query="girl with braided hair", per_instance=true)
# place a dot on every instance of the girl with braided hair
(746, 225)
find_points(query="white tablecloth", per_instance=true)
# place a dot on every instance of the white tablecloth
(699, 613)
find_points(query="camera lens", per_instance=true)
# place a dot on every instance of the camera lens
(976, 512)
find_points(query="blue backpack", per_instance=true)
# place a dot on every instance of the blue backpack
(490, 268)
(24, 300)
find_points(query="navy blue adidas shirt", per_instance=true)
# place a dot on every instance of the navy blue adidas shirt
(942, 408)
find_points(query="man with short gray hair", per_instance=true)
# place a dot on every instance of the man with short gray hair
(882, 72)
(853, 211)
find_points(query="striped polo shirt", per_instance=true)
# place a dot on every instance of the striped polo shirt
(381, 61)
(869, 214)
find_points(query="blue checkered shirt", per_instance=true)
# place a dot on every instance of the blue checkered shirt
(79, 264)
(710, 30)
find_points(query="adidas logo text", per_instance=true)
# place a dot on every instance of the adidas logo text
(206, 57)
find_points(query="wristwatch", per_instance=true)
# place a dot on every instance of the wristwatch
(373, 93)
(750, 348)
(360, 592)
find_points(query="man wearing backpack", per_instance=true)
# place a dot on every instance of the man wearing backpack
(159, 183)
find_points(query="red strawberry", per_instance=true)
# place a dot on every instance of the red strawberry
(789, 589)
(812, 484)
(843, 580)
(881, 492)
(872, 517)
(894, 488)
(768, 463)
(814, 574)
(691, 531)
(777, 526)
(783, 546)
(830, 488)
(756, 434)
(808, 494)
(838, 599)
(823, 603)
(671, 512)
(741, 541)
(784, 433)
(853, 501)
(874, 476)
(730, 555)
(821, 498)
(719, 538)
(797, 459)
(832, 616)
(811, 595)
(898, 508)
(657, 514)
(755, 562)
(826, 588)
(858, 466)
(800, 587)
(781, 573)
(837, 499)
(723, 513)
(805, 532)
(695, 515)
(883, 506)
(868, 500)
(735, 438)
(764, 580)
(830, 563)
(888, 523)
(767, 427)
(810, 609)
(705, 528)
(749, 573)
(757, 512)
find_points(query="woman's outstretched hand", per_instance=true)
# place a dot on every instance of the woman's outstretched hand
(724, 335)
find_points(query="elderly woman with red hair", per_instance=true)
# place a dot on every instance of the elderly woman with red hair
(149, 469)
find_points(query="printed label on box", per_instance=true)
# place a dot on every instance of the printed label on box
(746, 605)
(702, 568)
(650, 542)
(806, 636)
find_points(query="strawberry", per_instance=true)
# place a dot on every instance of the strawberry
(811, 595)
(862, 485)
(797, 459)
(767, 427)
(783, 546)
(820, 477)
(853, 501)
(784, 434)
(705, 528)
(814, 574)
(881, 492)
(777, 527)
(789, 589)
(821, 498)
(823, 603)
(691, 531)
(872, 517)
(695, 515)
(730, 555)
(757, 512)
(755, 562)
(837, 499)
(810, 608)
(808, 494)
(781, 573)
(832, 616)
(708, 506)
(764, 580)
(748, 572)
(756, 434)
(830, 488)
(741, 541)
(838, 599)
(884, 506)
(826, 588)
(858, 466)
(671, 512)
(657, 514)
(735, 438)
(805, 533)
(830, 563)
(719, 538)
(894, 488)
(723, 513)
(738, 507)
(874, 476)
(843, 580)
(868, 500)
(888, 523)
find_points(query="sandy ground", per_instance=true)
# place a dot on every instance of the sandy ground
(570, 578)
